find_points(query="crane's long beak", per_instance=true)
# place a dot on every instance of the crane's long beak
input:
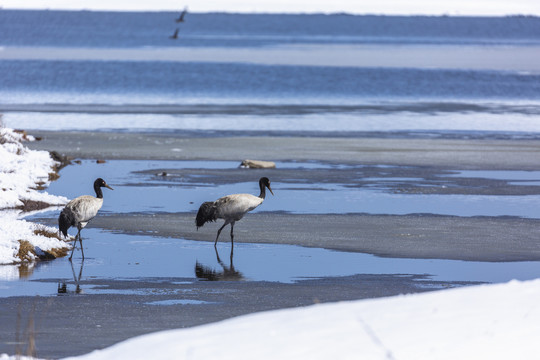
(108, 187)
(269, 188)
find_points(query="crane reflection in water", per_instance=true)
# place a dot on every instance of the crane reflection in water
(62, 287)
(228, 273)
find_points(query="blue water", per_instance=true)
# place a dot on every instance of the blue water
(113, 255)
(114, 29)
(284, 83)
(175, 194)
(249, 69)
(132, 257)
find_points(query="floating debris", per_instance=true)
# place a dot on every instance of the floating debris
(258, 164)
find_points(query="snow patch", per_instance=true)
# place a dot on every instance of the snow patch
(21, 171)
(478, 322)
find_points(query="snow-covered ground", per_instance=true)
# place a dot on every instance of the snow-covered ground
(21, 171)
(478, 322)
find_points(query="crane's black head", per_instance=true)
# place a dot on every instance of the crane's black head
(101, 183)
(264, 181)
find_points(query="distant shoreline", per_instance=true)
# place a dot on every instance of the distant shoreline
(364, 13)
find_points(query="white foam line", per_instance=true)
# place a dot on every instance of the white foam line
(502, 58)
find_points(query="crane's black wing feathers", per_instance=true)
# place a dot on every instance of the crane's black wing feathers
(207, 212)
(65, 221)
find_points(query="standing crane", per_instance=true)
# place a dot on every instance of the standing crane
(79, 211)
(231, 208)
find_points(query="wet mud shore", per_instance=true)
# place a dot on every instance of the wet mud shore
(446, 153)
(73, 324)
(405, 236)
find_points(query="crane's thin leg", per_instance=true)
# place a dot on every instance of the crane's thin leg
(82, 251)
(219, 232)
(232, 234)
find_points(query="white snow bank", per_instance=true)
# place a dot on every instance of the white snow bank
(21, 169)
(18, 357)
(479, 322)
(13, 229)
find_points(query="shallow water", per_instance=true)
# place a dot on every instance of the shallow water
(111, 255)
(137, 191)
(119, 256)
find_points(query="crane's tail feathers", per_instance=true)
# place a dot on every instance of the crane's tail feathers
(65, 221)
(206, 213)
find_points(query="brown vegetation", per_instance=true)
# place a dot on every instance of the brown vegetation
(27, 251)
(32, 205)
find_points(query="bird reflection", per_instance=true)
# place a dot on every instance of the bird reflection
(229, 273)
(175, 34)
(62, 288)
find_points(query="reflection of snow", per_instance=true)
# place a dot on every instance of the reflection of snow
(21, 170)
(8, 272)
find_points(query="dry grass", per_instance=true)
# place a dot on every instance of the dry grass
(58, 252)
(53, 176)
(31, 205)
(62, 160)
(40, 185)
(27, 251)
(22, 132)
(48, 234)
(55, 252)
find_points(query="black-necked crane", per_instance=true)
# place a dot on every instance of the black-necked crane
(181, 17)
(231, 208)
(79, 211)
